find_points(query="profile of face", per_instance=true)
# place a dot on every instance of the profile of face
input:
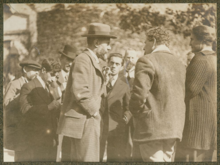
(149, 46)
(30, 72)
(102, 47)
(115, 64)
(66, 63)
(195, 44)
(48, 76)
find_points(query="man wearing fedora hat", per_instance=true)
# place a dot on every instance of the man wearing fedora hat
(80, 115)
(67, 57)
(12, 113)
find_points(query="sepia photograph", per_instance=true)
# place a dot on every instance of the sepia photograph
(110, 82)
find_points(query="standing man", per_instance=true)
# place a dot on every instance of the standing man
(119, 115)
(67, 56)
(40, 114)
(129, 68)
(80, 116)
(157, 101)
(12, 114)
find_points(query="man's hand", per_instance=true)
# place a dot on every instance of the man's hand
(54, 105)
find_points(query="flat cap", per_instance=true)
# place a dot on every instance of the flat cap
(30, 63)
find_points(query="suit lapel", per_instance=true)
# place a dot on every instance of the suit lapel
(41, 91)
(118, 86)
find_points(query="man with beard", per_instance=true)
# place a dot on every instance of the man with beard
(129, 68)
(40, 112)
(80, 115)
(12, 113)
(67, 56)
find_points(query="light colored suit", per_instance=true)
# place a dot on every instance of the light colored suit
(82, 100)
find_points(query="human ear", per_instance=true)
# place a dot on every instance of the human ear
(43, 70)
(96, 43)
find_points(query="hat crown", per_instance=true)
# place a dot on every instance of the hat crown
(69, 51)
(99, 30)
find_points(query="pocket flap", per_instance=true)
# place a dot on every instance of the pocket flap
(73, 113)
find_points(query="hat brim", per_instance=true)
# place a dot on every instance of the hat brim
(96, 35)
(67, 55)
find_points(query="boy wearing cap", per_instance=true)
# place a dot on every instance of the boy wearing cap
(40, 112)
(12, 114)
(80, 116)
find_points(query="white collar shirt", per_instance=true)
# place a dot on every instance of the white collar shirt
(114, 79)
(161, 47)
(208, 48)
(42, 82)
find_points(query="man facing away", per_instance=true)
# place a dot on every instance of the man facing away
(12, 114)
(157, 101)
(119, 115)
(40, 112)
(80, 115)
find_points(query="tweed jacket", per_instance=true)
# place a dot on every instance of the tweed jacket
(39, 123)
(83, 96)
(12, 115)
(118, 104)
(157, 100)
(201, 102)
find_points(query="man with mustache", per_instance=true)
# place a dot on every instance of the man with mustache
(40, 113)
(82, 107)
(129, 67)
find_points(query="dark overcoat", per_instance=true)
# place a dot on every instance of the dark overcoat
(157, 100)
(39, 123)
(201, 102)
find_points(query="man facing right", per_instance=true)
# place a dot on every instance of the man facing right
(157, 101)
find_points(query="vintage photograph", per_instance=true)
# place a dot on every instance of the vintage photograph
(92, 82)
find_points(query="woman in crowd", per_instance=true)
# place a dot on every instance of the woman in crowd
(200, 132)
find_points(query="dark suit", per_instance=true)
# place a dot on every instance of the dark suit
(39, 122)
(118, 136)
(200, 132)
(83, 98)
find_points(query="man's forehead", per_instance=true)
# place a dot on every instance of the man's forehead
(115, 59)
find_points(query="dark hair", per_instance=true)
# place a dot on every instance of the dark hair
(160, 34)
(116, 55)
(50, 64)
(204, 34)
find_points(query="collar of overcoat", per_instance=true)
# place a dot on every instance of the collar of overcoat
(95, 64)
(41, 91)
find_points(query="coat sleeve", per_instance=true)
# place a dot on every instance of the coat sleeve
(10, 94)
(26, 103)
(196, 76)
(144, 77)
(80, 86)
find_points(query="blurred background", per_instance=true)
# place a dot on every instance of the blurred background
(41, 30)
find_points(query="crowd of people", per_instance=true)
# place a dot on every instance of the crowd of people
(95, 106)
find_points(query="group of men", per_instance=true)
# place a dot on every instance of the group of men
(98, 108)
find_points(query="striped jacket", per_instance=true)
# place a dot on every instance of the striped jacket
(201, 102)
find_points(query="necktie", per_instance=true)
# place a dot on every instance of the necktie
(109, 87)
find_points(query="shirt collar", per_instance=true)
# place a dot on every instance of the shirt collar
(42, 82)
(25, 79)
(114, 79)
(94, 55)
(64, 73)
(161, 47)
(208, 48)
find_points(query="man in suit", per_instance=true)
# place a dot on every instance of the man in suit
(12, 114)
(80, 115)
(119, 115)
(40, 113)
(157, 101)
(129, 68)
(67, 57)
